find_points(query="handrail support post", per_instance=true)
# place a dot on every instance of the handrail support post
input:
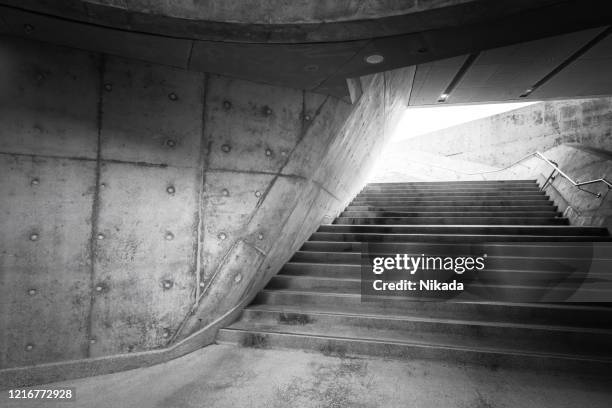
(549, 180)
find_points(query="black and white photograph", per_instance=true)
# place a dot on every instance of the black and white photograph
(305, 204)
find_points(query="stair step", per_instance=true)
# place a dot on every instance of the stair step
(452, 214)
(523, 277)
(504, 289)
(456, 238)
(456, 183)
(450, 221)
(526, 337)
(477, 189)
(544, 206)
(342, 346)
(465, 229)
(601, 250)
(508, 260)
(574, 315)
(468, 200)
(500, 195)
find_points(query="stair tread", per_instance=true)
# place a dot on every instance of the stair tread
(603, 286)
(428, 342)
(495, 214)
(290, 271)
(333, 226)
(554, 306)
(358, 254)
(455, 221)
(454, 244)
(400, 235)
(518, 181)
(313, 310)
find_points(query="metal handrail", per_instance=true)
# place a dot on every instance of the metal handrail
(556, 169)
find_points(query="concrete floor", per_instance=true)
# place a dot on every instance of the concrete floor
(227, 376)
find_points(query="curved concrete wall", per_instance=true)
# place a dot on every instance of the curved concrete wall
(141, 202)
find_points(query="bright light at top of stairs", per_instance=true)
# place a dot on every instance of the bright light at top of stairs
(418, 121)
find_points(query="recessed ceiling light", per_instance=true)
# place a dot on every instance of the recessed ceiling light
(374, 59)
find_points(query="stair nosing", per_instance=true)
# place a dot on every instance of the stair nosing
(434, 345)
(470, 302)
(488, 323)
(488, 256)
(473, 285)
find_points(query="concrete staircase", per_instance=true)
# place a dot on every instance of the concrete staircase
(315, 301)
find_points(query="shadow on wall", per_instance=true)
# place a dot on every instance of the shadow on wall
(574, 133)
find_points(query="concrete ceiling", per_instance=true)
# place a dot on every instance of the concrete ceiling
(318, 45)
(279, 21)
(588, 75)
(506, 73)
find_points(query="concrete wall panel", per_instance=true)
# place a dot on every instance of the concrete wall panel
(45, 271)
(305, 216)
(502, 139)
(151, 113)
(237, 271)
(352, 148)
(171, 236)
(145, 256)
(48, 100)
(251, 127)
(229, 201)
(268, 222)
(326, 119)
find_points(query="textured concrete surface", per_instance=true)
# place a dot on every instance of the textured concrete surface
(226, 376)
(398, 164)
(238, 18)
(144, 202)
(45, 279)
(318, 45)
(270, 11)
(502, 139)
(582, 163)
(504, 73)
